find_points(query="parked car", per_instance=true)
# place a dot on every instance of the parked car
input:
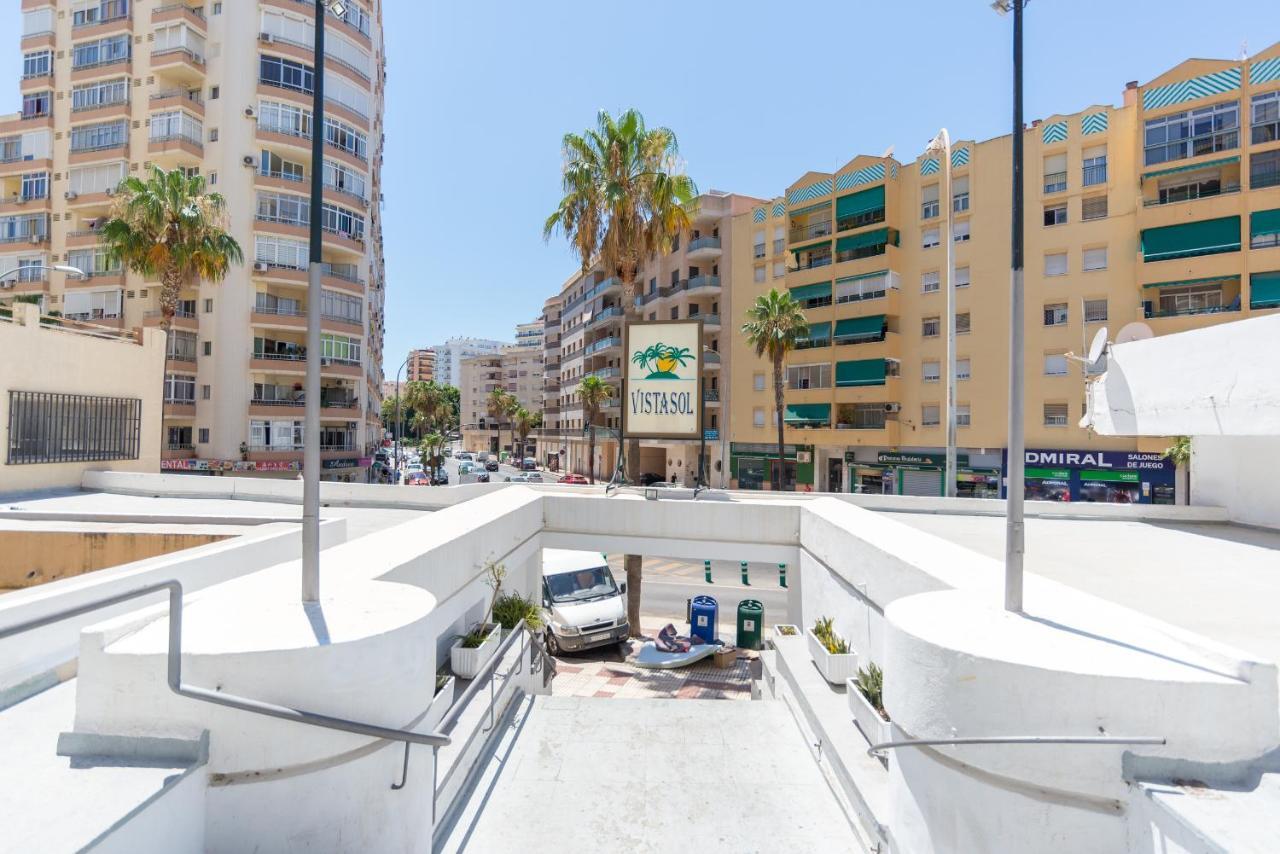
(574, 479)
(440, 478)
(417, 478)
(491, 465)
(649, 478)
(528, 464)
(582, 606)
(482, 477)
(534, 477)
(516, 478)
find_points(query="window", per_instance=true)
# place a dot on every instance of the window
(1192, 133)
(929, 202)
(37, 21)
(286, 119)
(960, 231)
(1055, 173)
(758, 274)
(206, 392)
(1055, 264)
(757, 417)
(204, 435)
(36, 104)
(100, 136)
(1095, 259)
(1095, 311)
(779, 240)
(217, 8)
(930, 327)
(757, 382)
(779, 269)
(962, 277)
(1055, 365)
(35, 185)
(858, 288)
(930, 415)
(340, 348)
(208, 306)
(179, 388)
(178, 438)
(274, 166)
(215, 92)
(286, 74)
(1190, 300)
(95, 262)
(92, 305)
(1055, 314)
(758, 249)
(963, 418)
(929, 238)
(1093, 207)
(88, 13)
(931, 282)
(1264, 169)
(1055, 415)
(962, 323)
(809, 376)
(1094, 166)
(281, 207)
(1266, 117)
(344, 179)
(69, 428)
(931, 371)
(344, 307)
(37, 64)
(276, 435)
(208, 348)
(962, 369)
(104, 93)
(282, 252)
(175, 124)
(1055, 214)
(960, 194)
(101, 52)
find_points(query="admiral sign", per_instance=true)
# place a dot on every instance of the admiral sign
(662, 388)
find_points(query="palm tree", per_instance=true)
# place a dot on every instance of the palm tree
(429, 405)
(524, 422)
(430, 449)
(168, 226)
(625, 199)
(500, 404)
(775, 324)
(1179, 453)
(593, 392)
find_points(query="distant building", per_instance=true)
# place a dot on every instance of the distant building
(421, 366)
(518, 370)
(449, 356)
(529, 334)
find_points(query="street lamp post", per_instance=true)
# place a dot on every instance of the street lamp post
(398, 427)
(311, 428)
(941, 144)
(1014, 544)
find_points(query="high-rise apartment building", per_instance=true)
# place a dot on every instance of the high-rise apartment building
(223, 89)
(1157, 216)
(529, 334)
(450, 354)
(516, 370)
(421, 366)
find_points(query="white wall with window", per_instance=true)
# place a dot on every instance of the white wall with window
(93, 305)
(1095, 258)
(176, 124)
(287, 119)
(276, 435)
(282, 252)
(178, 37)
(344, 179)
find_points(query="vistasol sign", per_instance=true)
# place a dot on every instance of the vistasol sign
(662, 392)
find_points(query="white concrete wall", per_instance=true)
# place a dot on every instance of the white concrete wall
(172, 821)
(1240, 474)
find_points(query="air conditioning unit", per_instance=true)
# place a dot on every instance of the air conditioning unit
(266, 37)
(893, 407)
(248, 112)
(70, 195)
(111, 191)
(260, 266)
(249, 160)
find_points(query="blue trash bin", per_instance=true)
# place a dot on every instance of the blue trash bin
(703, 613)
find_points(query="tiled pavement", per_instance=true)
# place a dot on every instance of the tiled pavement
(605, 673)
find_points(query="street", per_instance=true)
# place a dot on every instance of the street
(668, 584)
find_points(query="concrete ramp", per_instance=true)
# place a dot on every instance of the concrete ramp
(587, 775)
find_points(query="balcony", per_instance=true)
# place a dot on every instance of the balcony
(703, 284)
(606, 373)
(709, 208)
(178, 63)
(701, 248)
(168, 146)
(181, 319)
(711, 361)
(18, 203)
(103, 68)
(602, 345)
(613, 313)
(192, 16)
(809, 231)
(711, 396)
(710, 322)
(172, 99)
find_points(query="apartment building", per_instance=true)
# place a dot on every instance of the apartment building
(529, 334)
(110, 87)
(517, 370)
(688, 282)
(548, 444)
(1156, 216)
(420, 366)
(450, 354)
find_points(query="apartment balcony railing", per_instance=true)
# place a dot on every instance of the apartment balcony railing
(179, 446)
(100, 20)
(195, 10)
(177, 137)
(695, 282)
(1055, 182)
(602, 344)
(707, 319)
(704, 243)
(281, 357)
(101, 105)
(1184, 312)
(711, 358)
(611, 313)
(185, 94)
(180, 357)
(1195, 195)
(606, 373)
(807, 232)
(758, 251)
(711, 395)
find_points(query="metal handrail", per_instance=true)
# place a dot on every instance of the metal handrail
(876, 750)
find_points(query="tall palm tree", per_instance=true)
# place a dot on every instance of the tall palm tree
(625, 199)
(775, 324)
(430, 406)
(168, 226)
(500, 404)
(524, 422)
(593, 392)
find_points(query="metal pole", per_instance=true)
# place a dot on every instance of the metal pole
(1014, 529)
(311, 423)
(949, 488)
(398, 427)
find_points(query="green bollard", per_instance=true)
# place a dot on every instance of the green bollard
(706, 569)
(743, 566)
(782, 575)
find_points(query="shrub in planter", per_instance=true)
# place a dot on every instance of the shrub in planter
(442, 701)
(473, 649)
(511, 608)
(866, 692)
(785, 630)
(831, 653)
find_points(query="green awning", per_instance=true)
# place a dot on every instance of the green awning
(1206, 237)
(819, 331)
(825, 206)
(1182, 283)
(808, 292)
(807, 413)
(1264, 290)
(860, 203)
(860, 327)
(860, 372)
(1191, 167)
(824, 244)
(847, 279)
(1263, 223)
(858, 241)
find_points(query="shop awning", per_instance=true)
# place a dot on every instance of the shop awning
(858, 241)
(819, 332)
(860, 203)
(807, 413)
(1206, 237)
(1264, 223)
(808, 292)
(860, 327)
(1264, 290)
(1183, 283)
(809, 247)
(1192, 167)
(860, 372)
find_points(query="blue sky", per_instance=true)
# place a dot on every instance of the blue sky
(479, 95)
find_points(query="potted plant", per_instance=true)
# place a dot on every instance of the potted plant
(831, 653)
(785, 630)
(468, 656)
(511, 608)
(443, 700)
(866, 701)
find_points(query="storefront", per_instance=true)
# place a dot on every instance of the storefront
(919, 473)
(751, 466)
(1105, 477)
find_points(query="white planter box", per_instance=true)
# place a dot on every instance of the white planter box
(875, 729)
(776, 633)
(834, 668)
(466, 663)
(439, 705)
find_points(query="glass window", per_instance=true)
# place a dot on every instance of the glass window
(960, 194)
(931, 371)
(1055, 264)
(1095, 259)
(286, 74)
(1055, 214)
(809, 376)
(929, 202)
(1055, 173)
(1093, 207)
(758, 274)
(285, 119)
(1266, 117)
(960, 231)
(962, 323)
(343, 136)
(179, 388)
(342, 221)
(1055, 314)
(1055, 415)
(37, 64)
(100, 136)
(1095, 165)
(930, 327)
(36, 104)
(1192, 133)
(757, 382)
(963, 417)
(929, 238)
(35, 185)
(101, 52)
(962, 369)
(930, 415)
(1095, 310)
(101, 94)
(1264, 169)
(962, 277)
(930, 282)
(1055, 365)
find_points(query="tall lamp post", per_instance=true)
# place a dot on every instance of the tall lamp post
(397, 427)
(311, 428)
(941, 145)
(1014, 542)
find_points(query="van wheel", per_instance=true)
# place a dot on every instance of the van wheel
(553, 646)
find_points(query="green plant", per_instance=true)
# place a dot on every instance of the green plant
(442, 679)
(784, 629)
(775, 326)
(511, 608)
(824, 630)
(476, 636)
(870, 682)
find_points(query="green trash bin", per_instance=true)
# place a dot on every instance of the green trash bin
(750, 623)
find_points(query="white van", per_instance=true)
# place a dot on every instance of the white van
(581, 605)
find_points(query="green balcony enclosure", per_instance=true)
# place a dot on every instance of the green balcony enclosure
(856, 204)
(806, 293)
(1207, 237)
(855, 330)
(819, 336)
(1264, 226)
(1264, 290)
(860, 372)
(807, 414)
(878, 237)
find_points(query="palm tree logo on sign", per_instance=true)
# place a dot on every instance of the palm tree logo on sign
(662, 360)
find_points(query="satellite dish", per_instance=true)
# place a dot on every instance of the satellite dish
(888, 152)
(1136, 331)
(1098, 347)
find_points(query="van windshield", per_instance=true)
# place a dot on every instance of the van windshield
(582, 585)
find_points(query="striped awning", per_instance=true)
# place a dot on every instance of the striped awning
(1191, 167)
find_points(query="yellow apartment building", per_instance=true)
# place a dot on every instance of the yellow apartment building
(1155, 216)
(110, 87)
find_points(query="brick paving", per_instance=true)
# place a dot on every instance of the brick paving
(608, 673)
